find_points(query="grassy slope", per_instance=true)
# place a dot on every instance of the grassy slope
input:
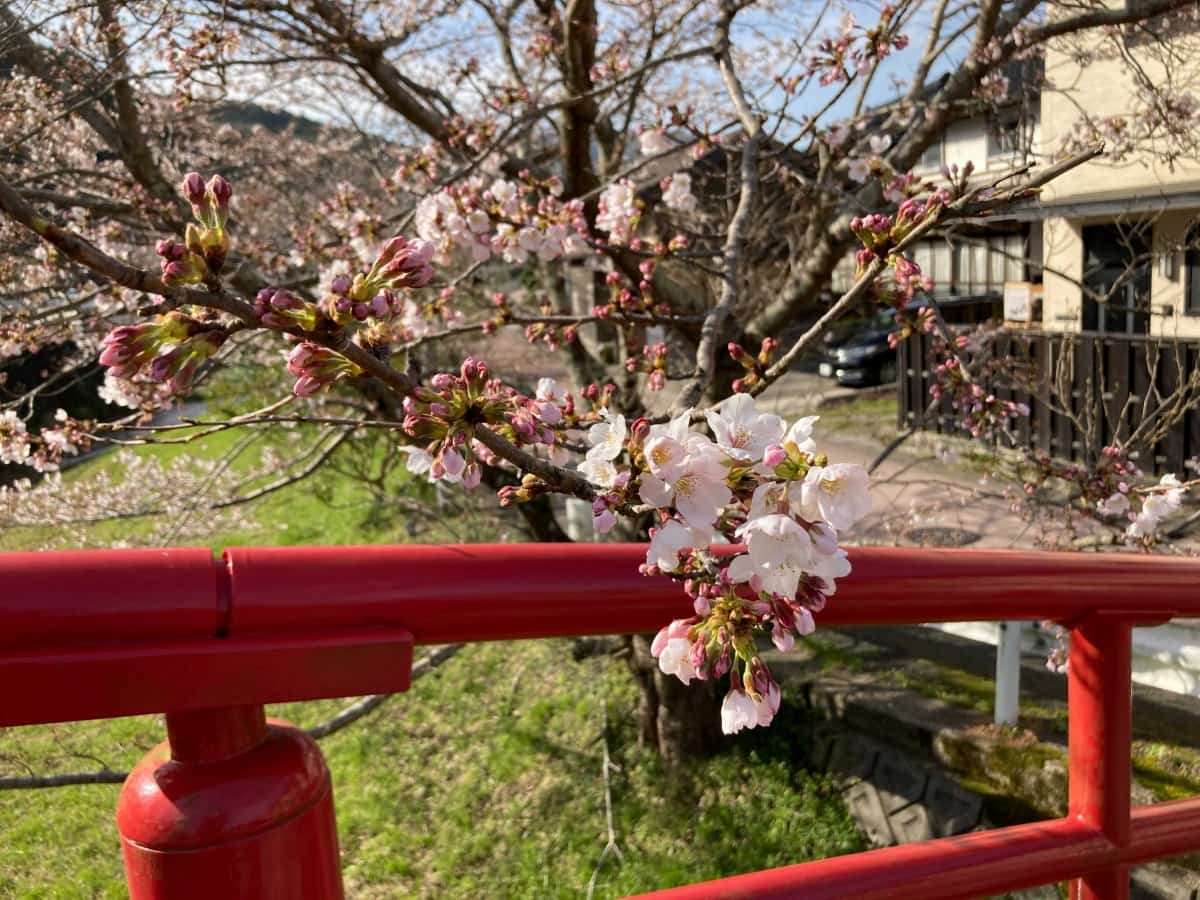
(483, 781)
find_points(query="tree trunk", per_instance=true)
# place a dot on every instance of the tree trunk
(680, 721)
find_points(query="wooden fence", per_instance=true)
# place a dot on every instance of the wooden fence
(1094, 375)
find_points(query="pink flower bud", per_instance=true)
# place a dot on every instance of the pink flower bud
(194, 188)
(453, 463)
(221, 192)
(472, 476)
(773, 456)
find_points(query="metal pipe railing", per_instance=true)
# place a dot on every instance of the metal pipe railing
(237, 807)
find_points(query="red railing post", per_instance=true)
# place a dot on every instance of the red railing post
(1099, 693)
(230, 806)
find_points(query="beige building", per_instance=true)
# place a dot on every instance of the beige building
(1118, 236)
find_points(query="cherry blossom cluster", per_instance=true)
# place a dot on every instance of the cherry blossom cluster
(620, 211)
(922, 320)
(514, 220)
(754, 364)
(1109, 491)
(677, 193)
(44, 450)
(551, 334)
(14, 438)
(880, 234)
(401, 264)
(653, 363)
(170, 348)
(442, 418)
(623, 300)
(856, 49)
(750, 481)
(316, 367)
(206, 241)
(981, 412)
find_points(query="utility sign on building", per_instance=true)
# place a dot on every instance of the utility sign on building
(1020, 301)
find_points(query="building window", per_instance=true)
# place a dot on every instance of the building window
(1004, 140)
(1191, 267)
(931, 158)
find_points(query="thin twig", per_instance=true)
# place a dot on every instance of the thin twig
(612, 847)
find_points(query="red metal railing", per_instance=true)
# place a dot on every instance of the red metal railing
(232, 806)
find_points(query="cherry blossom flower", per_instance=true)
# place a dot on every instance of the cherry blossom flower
(672, 648)
(741, 430)
(1156, 506)
(419, 461)
(677, 193)
(654, 141)
(697, 489)
(603, 518)
(768, 706)
(550, 397)
(770, 497)
(14, 438)
(599, 471)
(607, 438)
(1117, 504)
(619, 211)
(801, 432)
(840, 493)
(666, 543)
(738, 711)
(858, 169)
(778, 551)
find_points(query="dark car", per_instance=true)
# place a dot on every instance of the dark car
(860, 355)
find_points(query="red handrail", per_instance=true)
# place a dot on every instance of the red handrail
(235, 807)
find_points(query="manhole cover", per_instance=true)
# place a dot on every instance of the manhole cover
(937, 536)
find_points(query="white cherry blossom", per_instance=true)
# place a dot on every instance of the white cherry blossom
(800, 434)
(654, 141)
(667, 542)
(1115, 505)
(607, 438)
(548, 396)
(778, 552)
(766, 708)
(769, 498)
(672, 647)
(677, 194)
(741, 430)
(699, 492)
(599, 471)
(830, 565)
(665, 457)
(839, 493)
(738, 711)
(14, 440)
(419, 461)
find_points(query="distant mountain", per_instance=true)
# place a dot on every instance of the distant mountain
(245, 116)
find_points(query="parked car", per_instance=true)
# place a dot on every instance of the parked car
(861, 356)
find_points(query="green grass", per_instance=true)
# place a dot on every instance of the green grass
(484, 780)
(871, 415)
(362, 495)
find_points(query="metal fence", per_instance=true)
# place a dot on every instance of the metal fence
(232, 806)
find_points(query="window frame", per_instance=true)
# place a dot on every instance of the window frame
(1191, 270)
